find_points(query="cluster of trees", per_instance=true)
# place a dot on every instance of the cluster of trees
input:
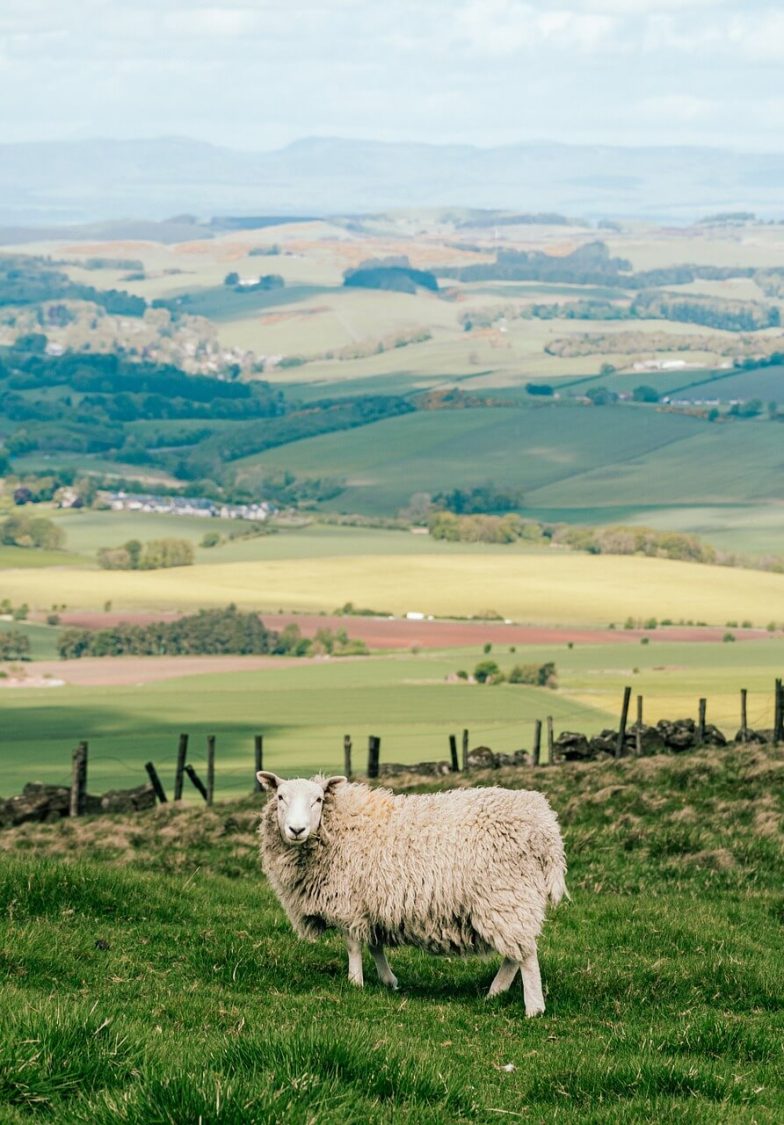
(268, 281)
(713, 312)
(481, 498)
(535, 675)
(82, 403)
(590, 264)
(25, 280)
(481, 528)
(394, 273)
(22, 530)
(208, 632)
(14, 645)
(636, 541)
(157, 554)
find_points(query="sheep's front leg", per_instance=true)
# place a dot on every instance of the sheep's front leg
(355, 974)
(532, 985)
(503, 979)
(385, 974)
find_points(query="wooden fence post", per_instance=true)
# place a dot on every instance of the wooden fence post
(210, 768)
(465, 751)
(550, 742)
(78, 780)
(744, 721)
(182, 751)
(155, 781)
(638, 729)
(347, 756)
(258, 760)
(619, 747)
(455, 764)
(197, 781)
(701, 722)
(536, 757)
(374, 751)
(778, 718)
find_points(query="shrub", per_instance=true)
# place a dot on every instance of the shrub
(210, 539)
(53, 619)
(728, 637)
(651, 623)
(539, 675)
(487, 647)
(485, 671)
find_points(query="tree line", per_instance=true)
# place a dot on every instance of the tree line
(209, 632)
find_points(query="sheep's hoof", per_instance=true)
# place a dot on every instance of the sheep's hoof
(391, 984)
(538, 1010)
(357, 982)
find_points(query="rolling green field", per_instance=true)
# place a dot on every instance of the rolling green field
(561, 457)
(305, 710)
(149, 974)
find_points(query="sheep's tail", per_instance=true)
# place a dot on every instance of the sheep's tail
(555, 879)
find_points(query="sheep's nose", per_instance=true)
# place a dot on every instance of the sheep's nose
(295, 831)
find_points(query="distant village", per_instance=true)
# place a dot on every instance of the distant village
(187, 506)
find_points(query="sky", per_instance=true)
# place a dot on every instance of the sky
(487, 72)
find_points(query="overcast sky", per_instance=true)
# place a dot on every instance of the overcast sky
(258, 75)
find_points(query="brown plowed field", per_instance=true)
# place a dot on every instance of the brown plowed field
(399, 633)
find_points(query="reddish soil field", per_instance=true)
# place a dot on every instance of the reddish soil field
(116, 671)
(399, 633)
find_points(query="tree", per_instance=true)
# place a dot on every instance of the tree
(486, 671)
(231, 278)
(645, 394)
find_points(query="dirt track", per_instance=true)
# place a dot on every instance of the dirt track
(118, 671)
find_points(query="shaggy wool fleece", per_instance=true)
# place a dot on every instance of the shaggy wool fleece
(467, 870)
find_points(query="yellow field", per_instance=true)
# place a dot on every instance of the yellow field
(547, 588)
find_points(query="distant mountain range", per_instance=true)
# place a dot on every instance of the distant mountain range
(55, 182)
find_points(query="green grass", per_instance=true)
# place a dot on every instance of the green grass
(169, 988)
(385, 463)
(304, 710)
(222, 303)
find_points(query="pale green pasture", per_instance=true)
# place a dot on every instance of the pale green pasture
(760, 247)
(556, 586)
(717, 464)
(305, 710)
(88, 530)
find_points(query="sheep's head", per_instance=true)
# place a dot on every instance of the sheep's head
(299, 803)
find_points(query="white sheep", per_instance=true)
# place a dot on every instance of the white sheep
(467, 870)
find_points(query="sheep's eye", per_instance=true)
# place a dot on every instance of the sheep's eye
(319, 801)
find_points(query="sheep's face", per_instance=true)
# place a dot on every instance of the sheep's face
(299, 803)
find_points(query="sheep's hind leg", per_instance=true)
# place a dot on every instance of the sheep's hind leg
(355, 974)
(532, 985)
(503, 979)
(385, 974)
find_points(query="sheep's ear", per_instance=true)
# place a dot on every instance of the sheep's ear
(268, 780)
(331, 783)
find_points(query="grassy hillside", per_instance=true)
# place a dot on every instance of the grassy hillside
(385, 463)
(149, 975)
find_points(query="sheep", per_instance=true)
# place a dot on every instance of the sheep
(467, 870)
